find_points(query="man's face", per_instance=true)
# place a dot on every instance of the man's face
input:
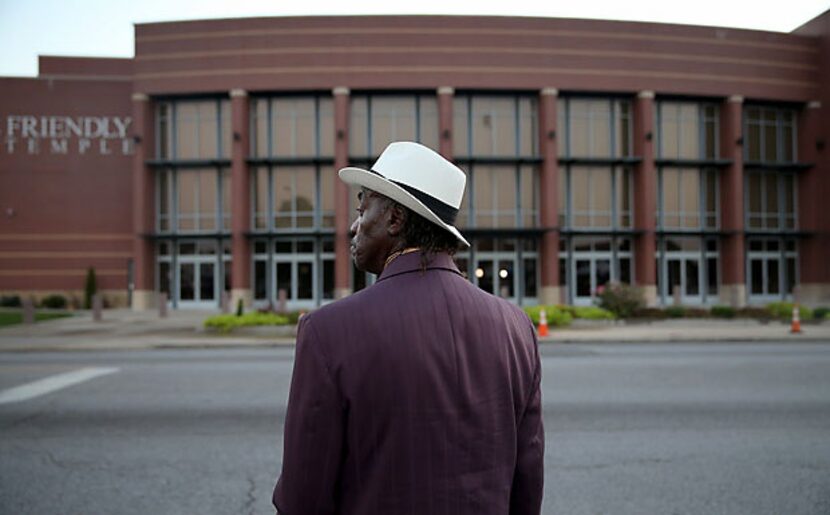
(371, 242)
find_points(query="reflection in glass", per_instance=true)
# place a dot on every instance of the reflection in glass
(187, 281)
(207, 285)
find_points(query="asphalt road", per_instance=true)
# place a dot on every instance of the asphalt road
(631, 429)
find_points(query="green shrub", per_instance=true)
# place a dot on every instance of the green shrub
(654, 313)
(784, 311)
(53, 302)
(821, 313)
(675, 311)
(754, 312)
(723, 311)
(240, 308)
(90, 288)
(696, 313)
(622, 299)
(590, 313)
(558, 316)
(225, 323)
(10, 301)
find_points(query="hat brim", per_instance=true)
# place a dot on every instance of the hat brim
(375, 182)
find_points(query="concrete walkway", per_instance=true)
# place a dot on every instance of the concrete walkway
(124, 329)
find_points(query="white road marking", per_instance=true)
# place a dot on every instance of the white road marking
(53, 383)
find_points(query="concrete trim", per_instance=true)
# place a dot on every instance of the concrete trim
(144, 299)
(550, 91)
(446, 90)
(140, 97)
(243, 294)
(814, 104)
(646, 94)
(550, 295)
(340, 293)
(238, 93)
(340, 90)
(736, 99)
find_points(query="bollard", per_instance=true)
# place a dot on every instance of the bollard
(97, 307)
(162, 305)
(283, 301)
(28, 310)
(504, 291)
(226, 302)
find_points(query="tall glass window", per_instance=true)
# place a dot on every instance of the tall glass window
(772, 268)
(595, 197)
(688, 198)
(687, 130)
(594, 127)
(292, 198)
(770, 200)
(292, 127)
(769, 134)
(377, 120)
(193, 129)
(495, 126)
(193, 200)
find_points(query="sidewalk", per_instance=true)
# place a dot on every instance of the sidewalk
(124, 329)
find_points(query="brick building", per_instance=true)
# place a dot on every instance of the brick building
(692, 161)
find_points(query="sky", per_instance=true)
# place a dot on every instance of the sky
(104, 28)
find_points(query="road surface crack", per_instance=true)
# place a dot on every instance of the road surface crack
(249, 502)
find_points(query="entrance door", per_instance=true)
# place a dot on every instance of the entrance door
(296, 275)
(591, 273)
(684, 274)
(196, 282)
(496, 275)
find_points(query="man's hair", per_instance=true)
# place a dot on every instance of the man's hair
(420, 232)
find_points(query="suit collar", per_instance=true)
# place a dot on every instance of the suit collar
(412, 263)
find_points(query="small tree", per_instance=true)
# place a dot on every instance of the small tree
(90, 288)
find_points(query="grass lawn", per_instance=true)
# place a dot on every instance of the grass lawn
(11, 318)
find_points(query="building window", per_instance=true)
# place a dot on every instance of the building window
(594, 128)
(500, 197)
(687, 130)
(769, 134)
(595, 197)
(300, 270)
(589, 263)
(687, 269)
(193, 200)
(688, 198)
(377, 120)
(772, 268)
(505, 267)
(292, 127)
(193, 272)
(495, 126)
(193, 129)
(292, 198)
(770, 200)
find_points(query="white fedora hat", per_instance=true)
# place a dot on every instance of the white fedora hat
(416, 177)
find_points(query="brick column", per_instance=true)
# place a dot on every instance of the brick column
(813, 251)
(645, 196)
(342, 216)
(549, 293)
(144, 294)
(240, 201)
(732, 262)
(445, 118)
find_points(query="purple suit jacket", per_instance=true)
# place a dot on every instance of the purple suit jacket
(418, 395)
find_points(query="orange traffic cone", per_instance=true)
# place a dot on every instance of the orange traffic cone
(795, 326)
(543, 323)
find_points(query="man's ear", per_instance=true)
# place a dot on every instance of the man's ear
(397, 220)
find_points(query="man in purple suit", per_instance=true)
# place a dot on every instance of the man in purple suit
(420, 394)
